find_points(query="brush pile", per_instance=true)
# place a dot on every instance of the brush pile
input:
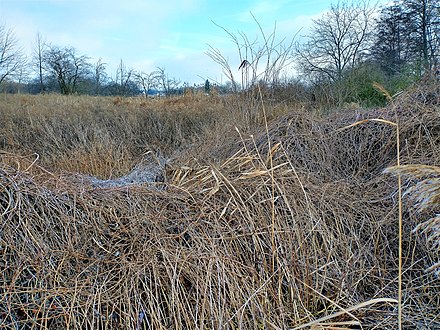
(298, 228)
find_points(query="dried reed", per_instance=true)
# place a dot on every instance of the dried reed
(290, 228)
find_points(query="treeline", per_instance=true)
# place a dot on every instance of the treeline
(63, 70)
(53, 68)
(353, 45)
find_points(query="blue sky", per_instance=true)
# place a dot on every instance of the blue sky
(146, 34)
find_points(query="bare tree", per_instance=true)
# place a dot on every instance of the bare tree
(67, 67)
(124, 79)
(38, 60)
(168, 85)
(391, 40)
(99, 75)
(407, 38)
(12, 60)
(147, 81)
(423, 28)
(338, 41)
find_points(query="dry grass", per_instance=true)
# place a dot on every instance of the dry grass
(103, 136)
(295, 232)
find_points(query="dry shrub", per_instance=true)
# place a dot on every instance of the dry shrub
(298, 230)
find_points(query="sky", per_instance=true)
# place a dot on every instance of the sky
(146, 34)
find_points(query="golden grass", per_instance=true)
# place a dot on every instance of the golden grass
(101, 136)
(290, 228)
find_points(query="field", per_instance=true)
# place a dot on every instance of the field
(218, 212)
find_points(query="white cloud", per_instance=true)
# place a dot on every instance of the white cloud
(261, 10)
(299, 25)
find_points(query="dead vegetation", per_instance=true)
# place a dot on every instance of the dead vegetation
(293, 227)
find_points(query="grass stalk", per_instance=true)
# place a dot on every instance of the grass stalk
(399, 185)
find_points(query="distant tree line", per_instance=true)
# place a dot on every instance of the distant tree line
(53, 68)
(351, 46)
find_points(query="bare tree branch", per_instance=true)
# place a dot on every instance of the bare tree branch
(265, 60)
(338, 41)
(12, 59)
(66, 66)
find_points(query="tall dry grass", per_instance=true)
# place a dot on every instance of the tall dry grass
(293, 227)
(103, 136)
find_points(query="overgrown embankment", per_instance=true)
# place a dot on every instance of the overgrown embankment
(293, 224)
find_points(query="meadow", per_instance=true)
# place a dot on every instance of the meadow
(267, 215)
